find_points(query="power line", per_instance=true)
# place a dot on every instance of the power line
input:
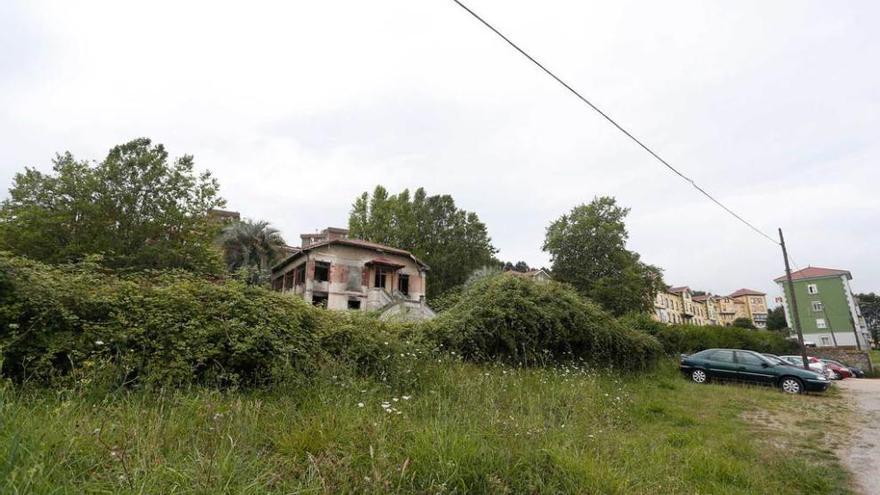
(618, 126)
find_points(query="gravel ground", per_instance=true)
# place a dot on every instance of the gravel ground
(862, 457)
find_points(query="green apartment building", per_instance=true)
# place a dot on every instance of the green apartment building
(828, 311)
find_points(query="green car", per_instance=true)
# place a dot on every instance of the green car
(752, 367)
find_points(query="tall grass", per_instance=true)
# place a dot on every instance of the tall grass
(454, 428)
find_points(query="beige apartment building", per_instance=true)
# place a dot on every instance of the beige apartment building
(336, 272)
(678, 305)
(754, 305)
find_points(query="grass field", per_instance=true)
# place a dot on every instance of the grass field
(457, 428)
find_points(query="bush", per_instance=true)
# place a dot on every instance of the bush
(361, 344)
(150, 328)
(677, 339)
(524, 321)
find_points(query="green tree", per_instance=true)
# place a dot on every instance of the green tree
(744, 323)
(776, 319)
(250, 248)
(587, 249)
(451, 241)
(869, 304)
(136, 207)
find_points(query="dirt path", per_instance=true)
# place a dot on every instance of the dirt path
(862, 457)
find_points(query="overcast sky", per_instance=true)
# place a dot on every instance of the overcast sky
(299, 106)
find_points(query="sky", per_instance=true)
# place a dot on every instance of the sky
(297, 107)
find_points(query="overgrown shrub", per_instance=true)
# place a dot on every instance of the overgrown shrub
(677, 339)
(520, 320)
(150, 328)
(361, 344)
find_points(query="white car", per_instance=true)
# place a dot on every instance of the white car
(815, 364)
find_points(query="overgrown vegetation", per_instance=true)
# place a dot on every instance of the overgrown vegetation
(523, 321)
(457, 428)
(677, 339)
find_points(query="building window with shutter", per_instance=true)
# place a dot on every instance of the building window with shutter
(812, 289)
(820, 323)
(817, 305)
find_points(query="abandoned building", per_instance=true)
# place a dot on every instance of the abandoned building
(336, 272)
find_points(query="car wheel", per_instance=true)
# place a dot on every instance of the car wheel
(699, 376)
(791, 385)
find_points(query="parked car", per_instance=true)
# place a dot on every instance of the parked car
(839, 371)
(856, 372)
(752, 367)
(815, 364)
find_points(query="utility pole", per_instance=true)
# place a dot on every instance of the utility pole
(794, 308)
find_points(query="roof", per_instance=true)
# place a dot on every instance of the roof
(702, 298)
(747, 292)
(355, 243)
(676, 290)
(815, 272)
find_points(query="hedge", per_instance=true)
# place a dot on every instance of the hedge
(149, 328)
(524, 321)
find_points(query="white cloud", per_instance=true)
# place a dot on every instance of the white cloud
(299, 106)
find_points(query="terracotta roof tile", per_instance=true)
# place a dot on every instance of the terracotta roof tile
(815, 272)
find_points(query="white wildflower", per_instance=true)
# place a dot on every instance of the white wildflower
(360, 404)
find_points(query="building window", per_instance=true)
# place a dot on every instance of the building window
(825, 341)
(319, 299)
(288, 280)
(812, 289)
(354, 304)
(379, 279)
(817, 305)
(322, 271)
(299, 275)
(820, 323)
(403, 284)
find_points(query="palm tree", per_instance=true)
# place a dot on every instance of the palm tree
(253, 246)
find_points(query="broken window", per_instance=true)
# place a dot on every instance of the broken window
(319, 299)
(354, 304)
(299, 275)
(322, 271)
(288, 280)
(403, 284)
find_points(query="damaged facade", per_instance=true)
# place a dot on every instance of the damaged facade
(337, 272)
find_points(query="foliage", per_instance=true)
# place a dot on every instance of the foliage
(361, 344)
(776, 319)
(519, 266)
(642, 322)
(461, 428)
(149, 328)
(251, 248)
(135, 207)
(522, 321)
(588, 250)
(451, 241)
(677, 339)
(744, 322)
(869, 304)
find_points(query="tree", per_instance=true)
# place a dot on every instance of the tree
(587, 249)
(451, 241)
(519, 266)
(744, 323)
(869, 304)
(250, 248)
(135, 207)
(776, 319)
